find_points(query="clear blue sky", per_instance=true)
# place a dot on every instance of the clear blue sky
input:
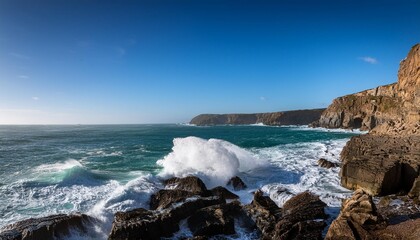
(85, 61)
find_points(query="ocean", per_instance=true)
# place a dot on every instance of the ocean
(102, 169)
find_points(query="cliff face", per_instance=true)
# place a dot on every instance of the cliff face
(388, 106)
(299, 117)
(387, 159)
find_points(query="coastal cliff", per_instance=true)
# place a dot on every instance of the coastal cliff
(381, 106)
(385, 162)
(298, 117)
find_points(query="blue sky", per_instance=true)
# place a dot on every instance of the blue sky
(87, 62)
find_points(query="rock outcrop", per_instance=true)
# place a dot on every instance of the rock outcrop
(144, 224)
(51, 227)
(302, 217)
(361, 218)
(387, 159)
(237, 183)
(298, 117)
(322, 162)
(391, 106)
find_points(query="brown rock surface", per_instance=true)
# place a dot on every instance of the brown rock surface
(214, 220)
(387, 159)
(361, 218)
(55, 226)
(301, 218)
(191, 184)
(237, 183)
(396, 107)
(326, 164)
(144, 224)
(381, 165)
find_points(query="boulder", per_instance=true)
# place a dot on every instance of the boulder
(191, 184)
(164, 198)
(223, 193)
(357, 218)
(302, 218)
(214, 220)
(322, 162)
(145, 224)
(50, 227)
(237, 183)
(264, 212)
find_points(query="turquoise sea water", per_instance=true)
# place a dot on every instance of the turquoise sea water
(103, 169)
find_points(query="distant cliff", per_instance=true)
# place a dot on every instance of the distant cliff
(298, 117)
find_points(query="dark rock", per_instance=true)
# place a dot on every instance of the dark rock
(214, 220)
(191, 184)
(326, 164)
(237, 183)
(223, 193)
(164, 198)
(298, 117)
(303, 218)
(55, 226)
(144, 224)
(264, 212)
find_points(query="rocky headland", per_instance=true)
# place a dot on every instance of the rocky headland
(298, 117)
(383, 166)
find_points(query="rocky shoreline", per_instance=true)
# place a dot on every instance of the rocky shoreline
(382, 166)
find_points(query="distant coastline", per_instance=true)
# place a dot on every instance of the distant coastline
(295, 117)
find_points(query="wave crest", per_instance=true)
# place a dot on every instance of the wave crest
(215, 161)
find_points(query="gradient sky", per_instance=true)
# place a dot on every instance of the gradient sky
(87, 62)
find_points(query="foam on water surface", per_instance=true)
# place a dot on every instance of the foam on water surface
(213, 160)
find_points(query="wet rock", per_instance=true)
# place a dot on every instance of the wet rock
(164, 198)
(326, 164)
(145, 224)
(50, 227)
(214, 220)
(236, 183)
(223, 193)
(302, 218)
(264, 212)
(191, 184)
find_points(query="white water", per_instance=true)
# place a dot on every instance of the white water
(214, 161)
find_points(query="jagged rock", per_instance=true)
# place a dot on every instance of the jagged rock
(381, 165)
(191, 184)
(298, 117)
(237, 183)
(144, 224)
(214, 220)
(50, 227)
(223, 193)
(164, 198)
(264, 212)
(357, 217)
(302, 218)
(415, 189)
(326, 164)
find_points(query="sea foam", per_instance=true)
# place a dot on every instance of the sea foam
(214, 161)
